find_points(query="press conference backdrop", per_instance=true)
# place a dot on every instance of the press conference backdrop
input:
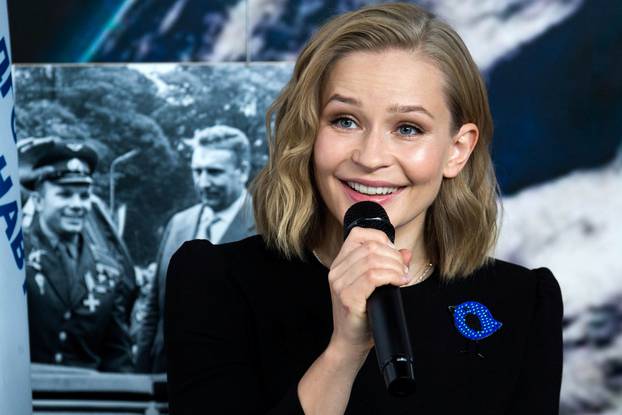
(553, 69)
(14, 354)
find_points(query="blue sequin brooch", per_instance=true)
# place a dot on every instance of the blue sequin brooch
(474, 320)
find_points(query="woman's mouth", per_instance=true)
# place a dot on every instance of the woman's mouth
(369, 190)
(359, 192)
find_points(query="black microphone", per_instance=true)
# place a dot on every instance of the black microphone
(385, 309)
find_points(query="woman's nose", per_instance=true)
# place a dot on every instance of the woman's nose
(372, 152)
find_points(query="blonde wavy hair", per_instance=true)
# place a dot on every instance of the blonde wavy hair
(461, 224)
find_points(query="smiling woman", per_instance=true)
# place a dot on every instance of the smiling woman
(376, 141)
(385, 105)
(418, 69)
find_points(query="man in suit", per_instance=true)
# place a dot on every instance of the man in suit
(75, 288)
(220, 169)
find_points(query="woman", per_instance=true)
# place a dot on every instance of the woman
(385, 104)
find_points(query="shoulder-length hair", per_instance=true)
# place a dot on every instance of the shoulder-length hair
(460, 228)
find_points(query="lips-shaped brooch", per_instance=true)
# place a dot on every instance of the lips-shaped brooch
(474, 320)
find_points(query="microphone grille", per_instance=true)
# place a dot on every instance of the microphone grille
(368, 215)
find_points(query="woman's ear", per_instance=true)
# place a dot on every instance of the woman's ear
(462, 144)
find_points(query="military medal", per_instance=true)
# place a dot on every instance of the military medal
(106, 274)
(91, 302)
(75, 147)
(40, 280)
(34, 259)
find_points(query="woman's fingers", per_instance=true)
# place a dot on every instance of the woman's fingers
(358, 236)
(369, 255)
(367, 249)
(354, 296)
(364, 259)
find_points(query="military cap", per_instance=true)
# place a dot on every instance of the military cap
(57, 160)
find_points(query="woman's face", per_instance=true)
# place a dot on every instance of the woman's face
(384, 136)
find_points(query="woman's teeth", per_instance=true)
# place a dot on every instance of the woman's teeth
(371, 190)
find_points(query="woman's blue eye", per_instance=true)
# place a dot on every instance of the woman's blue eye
(345, 123)
(408, 130)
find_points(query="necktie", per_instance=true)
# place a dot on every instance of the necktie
(206, 228)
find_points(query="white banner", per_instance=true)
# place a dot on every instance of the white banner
(15, 394)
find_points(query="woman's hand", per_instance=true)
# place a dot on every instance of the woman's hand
(367, 260)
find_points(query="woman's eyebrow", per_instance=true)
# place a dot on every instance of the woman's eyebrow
(394, 108)
(344, 99)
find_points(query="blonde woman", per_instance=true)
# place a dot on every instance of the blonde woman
(385, 104)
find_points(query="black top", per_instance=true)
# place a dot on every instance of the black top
(243, 325)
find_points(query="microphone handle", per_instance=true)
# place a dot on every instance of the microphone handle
(386, 316)
(385, 310)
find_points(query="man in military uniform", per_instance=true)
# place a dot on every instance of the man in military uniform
(75, 307)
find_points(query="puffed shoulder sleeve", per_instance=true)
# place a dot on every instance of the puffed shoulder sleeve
(540, 380)
(211, 363)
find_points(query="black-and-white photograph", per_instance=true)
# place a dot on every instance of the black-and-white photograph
(119, 166)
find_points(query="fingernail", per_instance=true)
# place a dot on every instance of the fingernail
(405, 277)
(405, 269)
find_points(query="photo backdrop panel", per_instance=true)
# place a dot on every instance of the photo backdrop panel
(566, 222)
